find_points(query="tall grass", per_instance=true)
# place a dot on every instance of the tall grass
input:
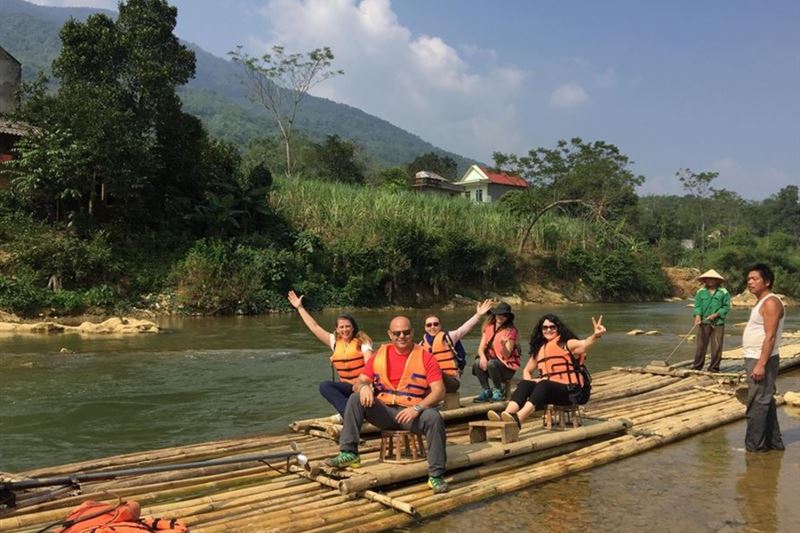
(334, 210)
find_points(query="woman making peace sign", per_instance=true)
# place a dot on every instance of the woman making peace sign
(558, 354)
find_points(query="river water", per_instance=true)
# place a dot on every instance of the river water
(212, 378)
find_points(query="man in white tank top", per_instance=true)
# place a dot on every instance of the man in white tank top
(760, 346)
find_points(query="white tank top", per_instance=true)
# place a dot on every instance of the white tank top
(754, 334)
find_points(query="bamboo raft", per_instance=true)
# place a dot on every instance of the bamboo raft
(632, 410)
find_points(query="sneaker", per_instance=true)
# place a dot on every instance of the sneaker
(497, 395)
(344, 459)
(484, 396)
(438, 484)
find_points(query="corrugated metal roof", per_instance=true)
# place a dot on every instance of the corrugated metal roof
(504, 179)
(20, 129)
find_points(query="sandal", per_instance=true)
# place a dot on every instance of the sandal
(493, 416)
(508, 417)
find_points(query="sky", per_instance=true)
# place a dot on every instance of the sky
(710, 86)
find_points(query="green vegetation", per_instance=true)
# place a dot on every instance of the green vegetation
(124, 200)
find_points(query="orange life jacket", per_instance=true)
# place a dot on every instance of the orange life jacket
(413, 385)
(496, 345)
(554, 363)
(442, 350)
(96, 517)
(347, 359)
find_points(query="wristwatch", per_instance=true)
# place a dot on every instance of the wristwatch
(418, 408)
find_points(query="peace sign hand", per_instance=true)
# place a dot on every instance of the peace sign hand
(599, 328)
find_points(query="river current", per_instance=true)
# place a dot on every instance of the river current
(213, 378)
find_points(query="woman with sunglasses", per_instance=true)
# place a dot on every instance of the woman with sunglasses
(446, 345)
(498, 353)
(558, 354)
(351, 350)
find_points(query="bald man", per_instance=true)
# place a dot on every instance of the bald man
(399, 388)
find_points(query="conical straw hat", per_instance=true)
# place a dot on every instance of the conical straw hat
(711, 274)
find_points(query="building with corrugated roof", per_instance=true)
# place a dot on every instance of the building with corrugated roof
(427, 182)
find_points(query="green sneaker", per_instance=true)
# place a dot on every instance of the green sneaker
(484, 396)
(497, 395)
(438, 484)
(344, 459)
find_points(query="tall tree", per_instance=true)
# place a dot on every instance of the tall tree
(575, 173)
(280, 81)
(117, 100)
(698, 184)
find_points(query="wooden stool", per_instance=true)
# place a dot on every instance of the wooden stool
(509, 431)
(452, 400)
(401, 447)
(561, 415)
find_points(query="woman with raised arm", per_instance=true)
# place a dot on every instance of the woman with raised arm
(498, 354)
(446, 345)
(559, 356)
(351, 350)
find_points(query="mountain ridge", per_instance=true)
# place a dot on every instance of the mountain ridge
(30, 33)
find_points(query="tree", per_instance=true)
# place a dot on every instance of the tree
(280, 81)
(117, 101)
(781, 211)
(574, 175)
(336, 161)
(443, 165)
(699, 186)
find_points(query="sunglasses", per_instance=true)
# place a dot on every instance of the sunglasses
(431, 324)
(401, 333)
(549, 328)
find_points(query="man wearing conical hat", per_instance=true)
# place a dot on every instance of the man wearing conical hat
(711, 305)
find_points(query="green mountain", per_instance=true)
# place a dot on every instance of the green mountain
(30, 33)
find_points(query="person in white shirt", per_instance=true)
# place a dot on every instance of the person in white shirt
(760, 347)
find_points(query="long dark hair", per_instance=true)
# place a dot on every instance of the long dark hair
(538, 340)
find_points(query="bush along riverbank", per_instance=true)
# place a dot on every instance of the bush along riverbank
(344, 245)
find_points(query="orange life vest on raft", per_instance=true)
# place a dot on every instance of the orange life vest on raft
(413, 385)
(555, 363)
(347, 359)
(495, 345)
(443, 350)
(96, 517)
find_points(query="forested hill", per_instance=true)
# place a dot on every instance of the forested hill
(30, 33)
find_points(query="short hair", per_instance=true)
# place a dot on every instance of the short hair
(765, 272)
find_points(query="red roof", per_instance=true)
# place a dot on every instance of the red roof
(504, 179)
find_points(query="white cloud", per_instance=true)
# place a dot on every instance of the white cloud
(569, 95)
(104, 4)
(418, 82)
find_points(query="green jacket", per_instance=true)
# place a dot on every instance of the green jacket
(706, 304)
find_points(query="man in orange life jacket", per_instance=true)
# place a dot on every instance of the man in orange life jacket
(399, 388)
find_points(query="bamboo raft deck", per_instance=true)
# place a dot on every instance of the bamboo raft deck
(632, 410)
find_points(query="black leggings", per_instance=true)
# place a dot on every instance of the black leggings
(542, 393)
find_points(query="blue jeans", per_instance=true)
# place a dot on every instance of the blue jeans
(337, 393)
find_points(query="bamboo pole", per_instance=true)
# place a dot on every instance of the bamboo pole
(463, 456)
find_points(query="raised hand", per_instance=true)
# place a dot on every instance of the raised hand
(296, 301)
(599, 328)
(483, 307)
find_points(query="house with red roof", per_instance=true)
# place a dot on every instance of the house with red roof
(483, 186)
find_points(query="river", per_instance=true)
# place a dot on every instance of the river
(212, 378)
